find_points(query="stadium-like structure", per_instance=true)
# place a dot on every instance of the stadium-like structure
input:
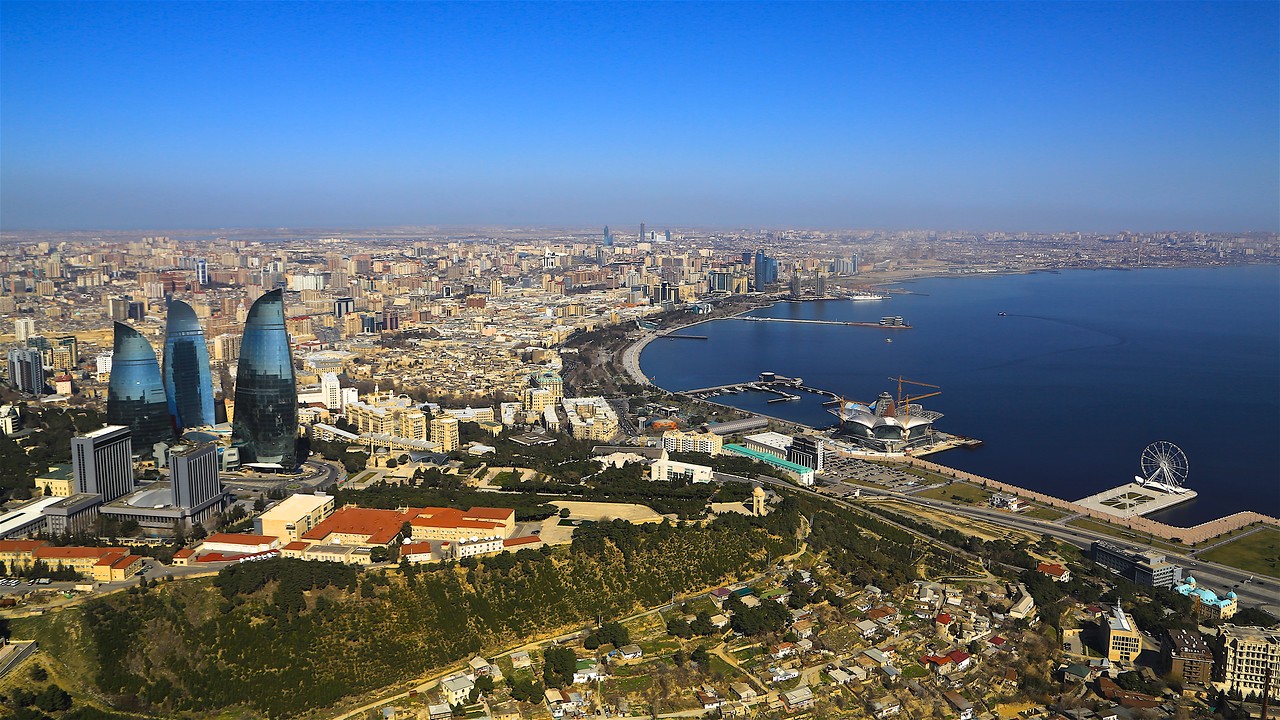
(886, 425)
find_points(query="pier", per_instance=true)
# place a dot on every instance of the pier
(1132, 500)
(683, 337)
(850, 323)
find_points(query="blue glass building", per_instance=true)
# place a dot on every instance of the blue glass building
(188, 383)
(135, 395)
(265, 424)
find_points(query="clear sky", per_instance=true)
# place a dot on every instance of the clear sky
(1035, 116)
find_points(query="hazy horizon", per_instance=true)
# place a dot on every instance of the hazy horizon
(997, 117)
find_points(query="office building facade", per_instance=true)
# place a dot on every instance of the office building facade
(188, 383)
(265, 425)
(1247, 655)
(135, 395)
(102, 462)
(193, 470)
(26, 371)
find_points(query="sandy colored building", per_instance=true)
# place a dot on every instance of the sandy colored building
(294, 516)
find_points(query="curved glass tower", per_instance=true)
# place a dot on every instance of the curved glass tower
(265, 423)
(188, 383)
(135, 395)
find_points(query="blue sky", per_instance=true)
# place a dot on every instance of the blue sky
(1015, 116)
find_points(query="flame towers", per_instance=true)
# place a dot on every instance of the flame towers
(135, 395)
(265, 421)
(188, 383)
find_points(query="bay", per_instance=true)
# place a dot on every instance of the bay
(1086, 369)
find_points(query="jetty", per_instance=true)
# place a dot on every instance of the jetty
(850, 323)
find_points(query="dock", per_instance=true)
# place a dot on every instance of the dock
(850, 323)
(1133, 500)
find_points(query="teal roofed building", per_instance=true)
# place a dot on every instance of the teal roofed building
(802, 474)
(1206, 603)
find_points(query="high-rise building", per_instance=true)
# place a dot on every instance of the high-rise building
(331, 391)
(643, 237)
(24, 328)
(73, 347)
(135, 395)
(344, 306)
(265, 425)
(188, 383)
(444, 432)
(608, 237)
(26, 370)
(193, 472)
(118, 308)
(102, 462)
(766, 271)
(226, 348)
(202, 271)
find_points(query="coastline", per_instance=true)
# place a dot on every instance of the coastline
(1192, 534)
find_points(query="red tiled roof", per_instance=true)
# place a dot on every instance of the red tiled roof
(997, 641)
(415, 548)
(377, 526)
(109, 560)
(126, 561)
(297, 545)
(184, 553)
(240, 539)
(1052, 569)
(75, 552)
(26, 546)
(525, 540)
(219, 557)
(943, 619)
(958, 656)
(489, 513)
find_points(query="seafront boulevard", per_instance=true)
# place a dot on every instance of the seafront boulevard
(1185, 535)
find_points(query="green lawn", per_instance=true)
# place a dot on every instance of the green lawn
(1045, 513)
(1258, 552)
(956, 492)
(913, 671)
(633, 684)
(1121, 531)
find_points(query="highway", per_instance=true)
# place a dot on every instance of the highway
(1261, 592)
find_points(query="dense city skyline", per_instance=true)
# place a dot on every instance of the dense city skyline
(1037, 117)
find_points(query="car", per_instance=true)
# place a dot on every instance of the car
(43, 581)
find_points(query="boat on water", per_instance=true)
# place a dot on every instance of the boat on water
(1004, 314)
(859, 296)
(888, 339)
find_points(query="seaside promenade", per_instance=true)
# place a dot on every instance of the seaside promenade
(1185, 535)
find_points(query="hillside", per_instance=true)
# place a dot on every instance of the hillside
(282, 636)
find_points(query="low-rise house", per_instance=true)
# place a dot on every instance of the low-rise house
(959, 704)
(799, 699)
(886, 706)
(802, 628)
(439, 711)
(557, 703)
(781, 674)
(782, 650)
(587, 670)
(744, 692)
(457, 689)
(866, 628)
(709, 701)
(521, 660)
(630, 652)
(1054, 572)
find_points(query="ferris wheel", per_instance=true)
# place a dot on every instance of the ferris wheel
(1164, 466)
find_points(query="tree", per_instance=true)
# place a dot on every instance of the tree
(558, 665)
(564, 512)
(379, 554)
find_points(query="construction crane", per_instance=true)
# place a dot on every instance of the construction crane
(904, 401)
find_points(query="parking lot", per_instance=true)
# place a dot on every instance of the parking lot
(842, 468)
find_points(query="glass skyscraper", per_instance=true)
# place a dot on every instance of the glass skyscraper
(188, 384)
(135, 395)
(265, 423)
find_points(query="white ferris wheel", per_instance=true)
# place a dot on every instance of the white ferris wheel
(1164, 467)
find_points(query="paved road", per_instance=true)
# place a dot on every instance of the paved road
(1263, 592)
